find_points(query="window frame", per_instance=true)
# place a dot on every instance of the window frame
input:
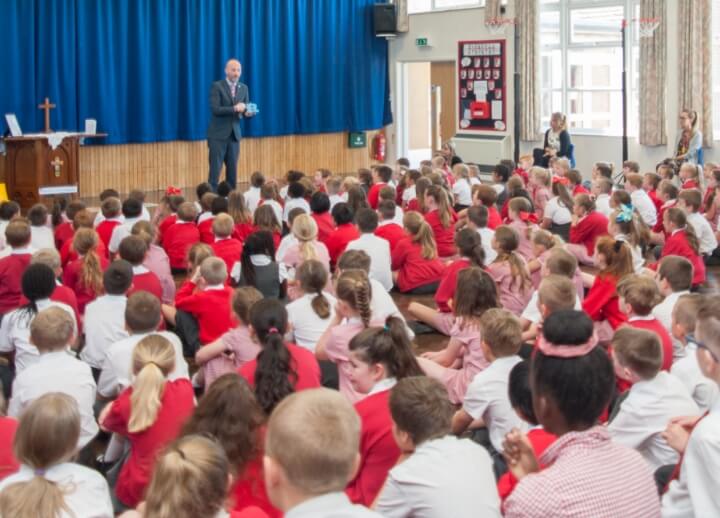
(435, 9)
(565, 47)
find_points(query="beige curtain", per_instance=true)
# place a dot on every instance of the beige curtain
(527, 15)
(492, 10)
(653, 51)
(695, 69)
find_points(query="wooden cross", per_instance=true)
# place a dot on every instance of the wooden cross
(46, 107)
(57, 166)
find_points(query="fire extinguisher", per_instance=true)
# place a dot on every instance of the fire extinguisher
(379, 142)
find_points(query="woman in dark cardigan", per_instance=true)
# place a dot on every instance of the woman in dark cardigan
(557, 141)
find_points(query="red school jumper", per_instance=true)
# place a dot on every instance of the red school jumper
(12, 268)
(71, 279)
(177, 405)
(68, 253)
(601, 302)
(105, 229)
(448, 283)
(588, 230)
(242, 230)
(211, 308)
(392, 233)
(63, 232)
(146, 281)
(444, 237)
(338, 241)
(373, 194)
(229, 250)
(494, 219)
(177, 240)
(325, 224)
(378, 450)
(654, 326)
(413, 269)
(8, 463)
(677, 244)
(302, 361)
(206, 233)
(539, 440)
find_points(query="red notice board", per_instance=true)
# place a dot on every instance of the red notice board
(482, 87)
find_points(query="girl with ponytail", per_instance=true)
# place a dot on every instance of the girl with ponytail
(441, 218)
(352, 315)
(509, 271)
(379, 357)
(84, 275)
(457, 364)
(472, 254)
(279, 369)
(311, 314)
(415, 264)
(48, 484)
(524, 220)
(150, 414)
(308, 247)
(681, 240)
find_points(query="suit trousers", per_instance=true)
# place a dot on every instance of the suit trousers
(223, 151)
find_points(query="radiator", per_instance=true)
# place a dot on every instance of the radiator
(484, 150)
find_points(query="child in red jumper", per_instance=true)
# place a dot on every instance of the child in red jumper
(651, 182)
(134, 249)
(575, 178)
(84, 275)
(586, 226)
(226, 247)
(63, 226)
(205, 219)
(415, 264)
(265, 219)
(387, 228)
(241, 215)
(690, 176)
(472, 254)
(381, 175)
(380, 356)
(180, 236)
(17, 237)
(320, 207)
(82, 219)
(441, 218)
(681, 240)
(112, 217)
(345, 232)
(166, 213)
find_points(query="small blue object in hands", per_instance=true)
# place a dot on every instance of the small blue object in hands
(252, 108)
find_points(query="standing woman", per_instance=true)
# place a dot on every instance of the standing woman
(557, 141)
(689, 140)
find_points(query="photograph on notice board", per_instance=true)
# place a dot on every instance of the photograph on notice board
(482, 85)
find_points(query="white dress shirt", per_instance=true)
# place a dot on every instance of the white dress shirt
(644, 415)
(335, 199)
(85, 491)
(117, 374)
(532, 311)
(441, 478)
(409, 194)
(104, 325)
(379, 251)
(99, 218)
(663, 313)
(704, 232)
(703, 390)
(645, 207)
(330, 505)
(61, 372)
(41, 237)
(487, 399)
(295, 203)
(602, 204)
(307, 326)
(399, 216)
(120, 232)
(252, 198)
(462, 192)
(486, 236)
(556, 212)
(15, 333)
(696, 493)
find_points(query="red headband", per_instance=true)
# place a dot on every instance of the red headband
(528, 217)
(566, 350)
(561, 180)
(172, 191)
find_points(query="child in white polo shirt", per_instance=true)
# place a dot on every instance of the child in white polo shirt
(674, 279)
(376, 247)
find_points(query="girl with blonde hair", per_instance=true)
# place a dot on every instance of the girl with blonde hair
(48, 484)
(84, 275)
(307, 248)
(150, 414)
(509, 271)
(415, 263)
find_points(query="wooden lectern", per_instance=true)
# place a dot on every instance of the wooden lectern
(33, 166)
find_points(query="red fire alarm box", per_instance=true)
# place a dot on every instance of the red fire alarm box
(480, 110)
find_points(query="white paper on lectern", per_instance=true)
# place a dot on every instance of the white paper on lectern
(13, 125)
(57, 189)
(90, 126)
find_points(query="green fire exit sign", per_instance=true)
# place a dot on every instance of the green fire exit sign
(421, 42)
(357, 139)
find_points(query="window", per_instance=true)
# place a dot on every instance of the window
(715, 60)
(581, 63)
(424, 6)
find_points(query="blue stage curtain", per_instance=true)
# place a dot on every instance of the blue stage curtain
(143, 68)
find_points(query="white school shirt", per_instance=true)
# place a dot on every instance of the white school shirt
(335, 199)
(379, 251)
(486, 236)
(277, 209)
(602, 204)
(41, 237)
(663, 313)
(295, 203)
(409, 194)
(120, 232)
(645, 207)
(441, 478)
(382, 306)
(15, 333)
(635, 251)
(399, 215)
(531, 313)
(104, 325)
(307, 326)
(330, 505)
(116, 374)
(703, 390)
(487, 398)
(99, 218)
(644, 415)
(696, 493)
(474, 180)
(285, 243)
(704, 232)
(252, 198)
(462, 192)
(85, 491)
(204, 216)
(556, 212)
(61, 372)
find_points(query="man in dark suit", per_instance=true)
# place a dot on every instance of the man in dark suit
(228, 104)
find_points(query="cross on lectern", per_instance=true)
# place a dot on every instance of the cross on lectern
(46, 107)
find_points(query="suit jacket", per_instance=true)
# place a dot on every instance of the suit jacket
(224, 121)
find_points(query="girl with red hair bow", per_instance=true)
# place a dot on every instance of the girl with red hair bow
(524, 221)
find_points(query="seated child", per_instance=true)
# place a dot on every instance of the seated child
(576, 182)
(477, 220)
(654, 398)
(224, 245)
(252, 195)
(522, 218)
(689, 176)
(455, 475)
(572, 382)
(344, 232)
(265, 219)
(132, 211)
(84, 274)
(320, 207)
(308, 247)
(624, 225)
(462, 191)
(133, 249)
(52, 332)
(686, 367)
(41, 234)
(51, 258)
(539, 185)
(376, 247)
(48, 481)
(638, 294)
(641, 202)
(257, 267)
(509, 271)
(110, 209)
(83, 219)
(180, 236)
(166, 214)
(150, 414)
(387, 193)
(388, 227)
(381, 175)
(269, 198)
(17, 236)
(415, 263)
(682, 241)
(556, 292)
(156, 260)
(296, 199)
(441, 218)
(674, 279)
(105, 316)
(543, 244)
(234, 348)
(205, 217)
(557, 216)
(381, 356)
(8, 428)
(486, 402)
(63, 222)
(690, 200)
(9, 210)
(311, 314)
(242, 217)
(586, 227)
(601, 189)
(651, 182)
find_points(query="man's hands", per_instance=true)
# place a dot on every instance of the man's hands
(240, 108)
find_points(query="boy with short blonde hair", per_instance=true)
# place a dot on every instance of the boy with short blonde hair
(225, 246)
(17, 237)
